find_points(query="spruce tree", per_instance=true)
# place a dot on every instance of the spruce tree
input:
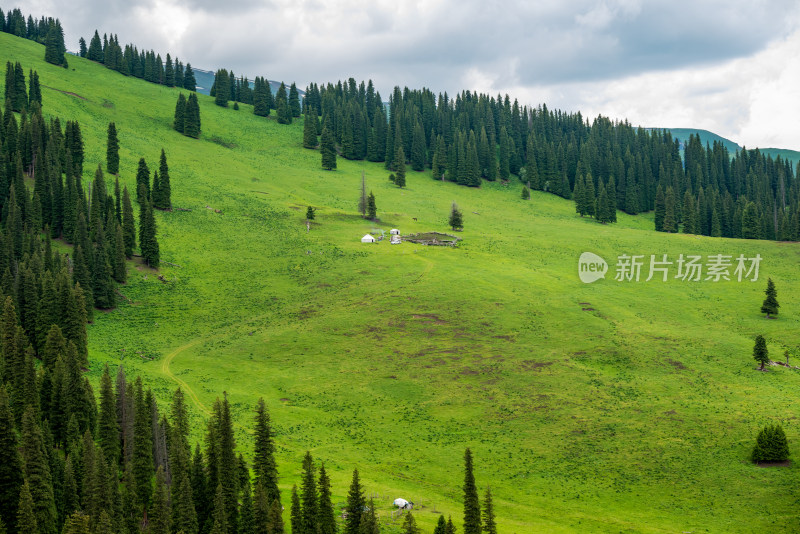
(296, 512)
(418, 148)
(400, 166)
(26, 518)
(310, 129)
(310, 213)
(147, 236)
(472, 508)
(55, 48)
(526, 193)
(660, 210)
(163, 200)
(771, 445)
(760, 351)
(670, 223)
(37, 472)
(10, 462)
(128, 225)
(160, 512)
(222, 88)
(456, 219)
(189, 81)
(410, 524)
(770, 305)
(372, 209)
(180, 113)
(142, 182)
(284, 114)
(191, 117)
(489, 523)
(328, 150)
(326, 518)
(308, 490)
(355, 505)
(265, 468)
(441, 526)
(362, 198)
(294, 101)
(108, 428)
(112, 149)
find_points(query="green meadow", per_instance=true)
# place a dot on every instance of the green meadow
(616, 406)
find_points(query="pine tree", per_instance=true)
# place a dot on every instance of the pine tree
(455, 221)
(310, 129)
(294, 101)
(10, 462)
(400, 166)
(220, 517)
(601, 205)
(328, 150)
(160, 512)
(37, 473)
(120, 272)
(142, 182)
(191, 117)
(264, 466)
(771, 445)
(103, 284)
(770, 305)
(180, 113)
(308, 490)
(670, 222)
(355, 505)
(372, 209)
(147, 236)
(326, 519)
(77, 523)
(55, 48)
(189, 81)
(276, 517)
(112, 149)
(472, 508)
(751, 226)
(418, 148)
(451, 528)
(579, 195)
(246, 512)
(284, 114)
(128, 225)
(108, 428)
(222, 88)
(410, 524)
(760, 352)
(142, 447)
(611, 194)
(489, 523)
(162, 198)
(441, 526)
(310, 213)
(296, 513)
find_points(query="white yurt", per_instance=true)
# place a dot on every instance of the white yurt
(402, 503)
(394, 231)
(367, 239)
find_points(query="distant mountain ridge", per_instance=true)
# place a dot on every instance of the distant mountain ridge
(682, 134)
(205, 79)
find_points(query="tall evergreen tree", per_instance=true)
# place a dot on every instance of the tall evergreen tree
(472, 508)
(455, 221)
(142, 182)
(147, 236)
(489, 523)
(112, 149)
(222, 88)
(308, 489)
(760, 352)
(355, 505)
(191, 117)
(10, 462)
(770, 305)
(310, 129)
(326, 518)
(296, 513)
(37, 473)
(180, 113)
(189, 81)
(400, 166)
(328, 150)
(670, 223)
(284, 114)
(294, 101)
(55, 49)
(410, 524)
(265, 468)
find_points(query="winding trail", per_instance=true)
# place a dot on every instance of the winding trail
(165, 363)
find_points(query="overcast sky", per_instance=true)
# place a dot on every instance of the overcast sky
(729, 66)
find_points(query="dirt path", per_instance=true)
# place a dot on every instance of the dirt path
(167, 361)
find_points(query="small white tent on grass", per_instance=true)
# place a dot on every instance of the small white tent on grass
(403, 504)
(367, 239)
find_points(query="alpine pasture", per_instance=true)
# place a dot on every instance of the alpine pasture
(605, 407)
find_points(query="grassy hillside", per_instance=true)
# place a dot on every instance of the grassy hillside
(610, 407)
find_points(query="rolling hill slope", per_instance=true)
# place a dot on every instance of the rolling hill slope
(609, 407)
(707, 137)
